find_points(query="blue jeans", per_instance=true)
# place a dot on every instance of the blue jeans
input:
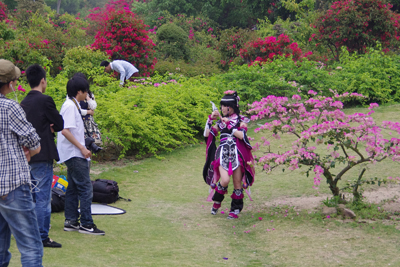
(42, 177)
(17, 217)
(79, 190)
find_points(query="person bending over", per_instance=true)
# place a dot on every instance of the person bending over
(124, 68)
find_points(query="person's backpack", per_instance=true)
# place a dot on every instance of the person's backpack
(105, 191)
(57, 200)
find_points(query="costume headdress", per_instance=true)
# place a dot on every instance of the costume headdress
(230, 99)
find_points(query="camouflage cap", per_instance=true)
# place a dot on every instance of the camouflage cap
(8, 72)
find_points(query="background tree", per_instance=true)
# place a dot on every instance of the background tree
(233, 13)
(11, 4)
(26, 8)
(357, 24)
(69, 6)
(172, 41)
(122, 35)
(3, 11)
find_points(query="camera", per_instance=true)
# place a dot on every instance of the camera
(89, 143)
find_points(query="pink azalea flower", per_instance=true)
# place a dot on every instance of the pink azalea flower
(20, 88)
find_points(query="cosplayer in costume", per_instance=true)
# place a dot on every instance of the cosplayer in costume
(231, 158)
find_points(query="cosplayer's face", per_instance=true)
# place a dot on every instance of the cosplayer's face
(226, 111)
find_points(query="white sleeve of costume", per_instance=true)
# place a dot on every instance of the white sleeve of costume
(92, 104)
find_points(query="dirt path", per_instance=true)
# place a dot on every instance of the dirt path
(391, 193)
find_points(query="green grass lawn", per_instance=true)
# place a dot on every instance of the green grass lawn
(168, 221)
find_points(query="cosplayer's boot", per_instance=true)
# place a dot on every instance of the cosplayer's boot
(236, 204)
(215, 207)
(218, 197)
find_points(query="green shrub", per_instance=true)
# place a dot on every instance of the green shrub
(150, 118)
(207, 67)
(273, 78)
(6, 32)
(85, 60)
(374, 75)
(172, 41)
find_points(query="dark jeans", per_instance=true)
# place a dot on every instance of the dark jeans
(79, 189)
(18, 217)
(42, 177)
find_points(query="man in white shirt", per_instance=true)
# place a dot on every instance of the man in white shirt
(72, 150)
(124, 68)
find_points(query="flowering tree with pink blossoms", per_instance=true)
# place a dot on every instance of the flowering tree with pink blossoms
(350, 139)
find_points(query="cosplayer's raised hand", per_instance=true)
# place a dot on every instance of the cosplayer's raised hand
(225, 119)
(215, 114)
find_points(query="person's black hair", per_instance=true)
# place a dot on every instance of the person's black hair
(80, 74)
(2, 84)
(34, 74)
(76, 84)
(232, 101)
(83, 76)
(104, 63)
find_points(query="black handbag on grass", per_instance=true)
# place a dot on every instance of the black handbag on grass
(105, 191)
(57, 199)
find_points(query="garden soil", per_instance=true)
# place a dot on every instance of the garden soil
(389, 193)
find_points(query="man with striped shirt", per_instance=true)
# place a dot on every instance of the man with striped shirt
(18, 142)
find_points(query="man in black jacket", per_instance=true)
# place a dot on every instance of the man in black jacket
(41, 111)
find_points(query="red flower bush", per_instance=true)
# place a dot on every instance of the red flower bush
(357, 24)
(3, 11)
(231, 42)
(122, 35)
(262, 50)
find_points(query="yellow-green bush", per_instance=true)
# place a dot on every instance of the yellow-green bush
(85, 60)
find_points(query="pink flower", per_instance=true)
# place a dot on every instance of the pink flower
(373, 105)
(296, 97)
(311, 92)
(20, 88)
(260, 218)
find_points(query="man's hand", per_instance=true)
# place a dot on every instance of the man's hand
(51, 128)
(27, 154)
(86, 153)
(90, 112)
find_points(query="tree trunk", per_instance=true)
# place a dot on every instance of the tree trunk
(58, 6)
(332, 183)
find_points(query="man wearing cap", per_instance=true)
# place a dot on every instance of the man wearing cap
(124, 68)
(18, 142)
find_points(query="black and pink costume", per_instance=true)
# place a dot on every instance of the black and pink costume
(232, 153)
